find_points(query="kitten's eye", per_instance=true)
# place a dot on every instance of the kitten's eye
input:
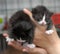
(47, 20)
(37, 18)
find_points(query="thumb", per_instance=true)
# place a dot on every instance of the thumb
(27, 12)
(32, 19)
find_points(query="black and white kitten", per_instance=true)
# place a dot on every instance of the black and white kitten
(21, 28)
(43, 16)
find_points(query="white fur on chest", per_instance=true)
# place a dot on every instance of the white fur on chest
(43, 21)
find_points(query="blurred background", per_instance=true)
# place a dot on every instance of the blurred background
(9, 7)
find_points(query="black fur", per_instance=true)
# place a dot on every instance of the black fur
(21, 26)
(38, 13)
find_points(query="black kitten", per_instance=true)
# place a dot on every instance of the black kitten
(21, 28)
(43, 16)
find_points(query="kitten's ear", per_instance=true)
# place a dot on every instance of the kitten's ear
(49, 14)
(34, 11)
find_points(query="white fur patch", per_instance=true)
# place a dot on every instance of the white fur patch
(49, 31)
(22, 40)
(9, 39)
(43, 21)
(26, 44)
(29, 45)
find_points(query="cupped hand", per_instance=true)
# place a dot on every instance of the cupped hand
(19, 47)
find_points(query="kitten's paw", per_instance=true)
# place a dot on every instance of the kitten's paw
(31, 45)
(9, 39)
(49, 31)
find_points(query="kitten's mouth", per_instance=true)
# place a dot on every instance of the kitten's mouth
(42, 24)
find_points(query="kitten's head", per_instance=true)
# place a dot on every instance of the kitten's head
(41, 14)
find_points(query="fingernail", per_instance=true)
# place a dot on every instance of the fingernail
(24, 9)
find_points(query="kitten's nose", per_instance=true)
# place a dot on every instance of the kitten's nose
(43, 23)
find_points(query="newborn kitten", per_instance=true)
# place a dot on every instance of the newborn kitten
(43, 16)
(21, 28)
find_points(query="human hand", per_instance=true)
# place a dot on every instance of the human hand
(49, 42)
(19, 47)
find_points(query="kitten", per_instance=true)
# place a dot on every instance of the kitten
(21, 28)
(43, 16)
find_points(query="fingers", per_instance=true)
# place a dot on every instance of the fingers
(27, 12)
(7, 37)
(5, 34)
(14, 44)
(35, 50)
